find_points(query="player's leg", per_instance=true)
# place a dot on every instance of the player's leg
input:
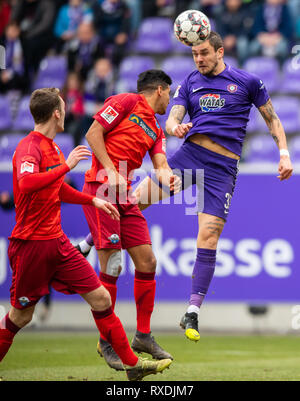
(110, 265)
(11, 324)
(210, 229)
(110, 326)
(75, 275)
(85, 246)
(144, 294)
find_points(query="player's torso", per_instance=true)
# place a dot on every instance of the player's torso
(225, 95)
(38, 213)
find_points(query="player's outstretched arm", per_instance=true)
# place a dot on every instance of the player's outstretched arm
(68, 194)
(174, 124)
(285, 167)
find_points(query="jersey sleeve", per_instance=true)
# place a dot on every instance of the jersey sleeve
(258, 92)
(27, 159)
(181, 95)
(159, 145)
(114, 110)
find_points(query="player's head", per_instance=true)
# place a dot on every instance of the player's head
(156, 84)
(209, 55)
(47, 106)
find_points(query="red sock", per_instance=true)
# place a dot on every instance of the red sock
(8, 330)
(144, 294)
(110, 283)
(111, 328)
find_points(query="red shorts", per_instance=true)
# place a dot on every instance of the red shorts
(131, 230)
(36, 265)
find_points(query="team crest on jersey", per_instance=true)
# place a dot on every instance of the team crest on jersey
(57, 150)
(24, 301)
(232, 88)
(211, 102)
(109, 114)
(139, 121)
(27, 167)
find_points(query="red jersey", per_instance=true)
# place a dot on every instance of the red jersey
(132, 131)
(37, 213)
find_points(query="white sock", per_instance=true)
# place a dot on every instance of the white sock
(84, 246)
(193, 308)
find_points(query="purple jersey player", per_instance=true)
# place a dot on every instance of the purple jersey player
(218, 99)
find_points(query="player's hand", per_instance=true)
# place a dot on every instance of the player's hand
(79, 153)
(107, 207)
(116, 181)
(168, 179)
(285, 168)
(181, 130)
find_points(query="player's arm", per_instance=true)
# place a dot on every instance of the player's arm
(31, 180)
(68, 194)
(285, 167)
(168, 180)
(174, 124)
(95, 138)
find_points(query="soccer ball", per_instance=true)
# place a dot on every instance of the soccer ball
(192, 27)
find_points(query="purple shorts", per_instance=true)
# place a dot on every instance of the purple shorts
(214, 174)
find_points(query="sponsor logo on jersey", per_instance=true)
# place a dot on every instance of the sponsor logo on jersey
(232, 88)
(52, 167)
(109, 114)
(23, 301)
(27, 167)
(164, 145)
(211, 102)
(139, 121)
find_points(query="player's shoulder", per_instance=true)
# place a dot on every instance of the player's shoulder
(30, 140)
(124, 99)
(245, 77)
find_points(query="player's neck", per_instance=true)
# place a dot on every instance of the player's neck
(47, 129)
(151, 100)
(220, 68)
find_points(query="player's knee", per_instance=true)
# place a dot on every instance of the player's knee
(21, 317)
(148, 265)
(102, 300)
(208, 240)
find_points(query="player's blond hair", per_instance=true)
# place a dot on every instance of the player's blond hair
(43, 103)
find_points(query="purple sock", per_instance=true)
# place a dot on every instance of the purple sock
(89, 239)
(202, 275)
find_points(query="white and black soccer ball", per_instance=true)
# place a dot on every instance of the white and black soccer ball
(192, 27)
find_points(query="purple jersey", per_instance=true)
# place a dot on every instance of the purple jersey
(219, 106)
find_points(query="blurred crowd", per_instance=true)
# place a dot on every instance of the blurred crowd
(95, 36)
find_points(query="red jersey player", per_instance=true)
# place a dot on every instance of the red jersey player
(39, 252)
(123, 131)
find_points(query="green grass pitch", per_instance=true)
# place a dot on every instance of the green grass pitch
(72, 356)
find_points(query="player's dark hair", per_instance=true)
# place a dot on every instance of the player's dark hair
(150, 80)
(215, 40)
(43, 103)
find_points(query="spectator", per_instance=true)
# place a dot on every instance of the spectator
(35, 18)
(272, 30)
(84, 50)
(99, 85)
(154, 8)
(208, 7)
(6, 201)
(113, 23)
(233, 23)
(73, 97)
(5, 10)
(12, 78)
(69, 18)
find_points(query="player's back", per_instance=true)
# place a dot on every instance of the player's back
(37, 213)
